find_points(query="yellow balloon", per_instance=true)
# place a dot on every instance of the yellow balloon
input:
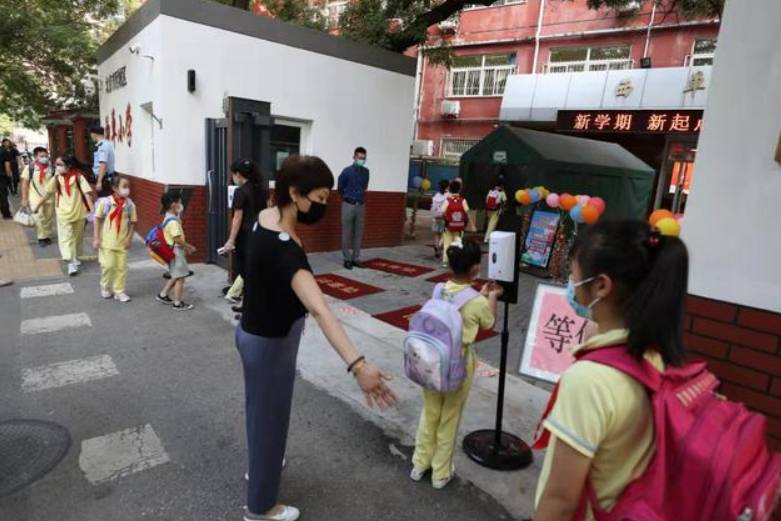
(668, 226)
(425, 185)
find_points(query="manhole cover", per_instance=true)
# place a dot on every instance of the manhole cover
(28, 450)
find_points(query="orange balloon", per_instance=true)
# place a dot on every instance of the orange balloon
(525, 198)
(567, 202)
(590, 214)
(658, 215)
(519, 196)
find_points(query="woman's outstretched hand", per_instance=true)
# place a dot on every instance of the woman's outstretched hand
(372, 382)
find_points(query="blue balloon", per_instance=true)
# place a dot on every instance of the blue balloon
(535, 195)
(417, 181)
(576, 214)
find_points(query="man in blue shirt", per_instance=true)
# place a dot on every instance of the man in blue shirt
(353, 182)
(102, 162)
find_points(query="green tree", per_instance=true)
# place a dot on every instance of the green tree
(687, 8)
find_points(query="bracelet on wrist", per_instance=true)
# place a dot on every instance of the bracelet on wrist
(355, 363)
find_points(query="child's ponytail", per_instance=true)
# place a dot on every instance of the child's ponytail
(650, 272)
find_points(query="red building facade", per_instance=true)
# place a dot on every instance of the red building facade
(458, 107)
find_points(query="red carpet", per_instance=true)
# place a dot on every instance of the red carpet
(344, 288)
(444, 277)
(397, 268)
(400, 318)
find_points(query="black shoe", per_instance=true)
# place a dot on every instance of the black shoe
(358, 264)
(237, 309)
(167, 275)
(164, 299)
(8, 217)
(182, 306)
(348, 265)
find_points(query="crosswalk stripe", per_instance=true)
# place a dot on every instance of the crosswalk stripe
(34, 326)
(48, 290)
(65, 373)
(121, 453)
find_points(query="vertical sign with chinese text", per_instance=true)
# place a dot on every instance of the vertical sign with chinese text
(554, 329)
(540, 238)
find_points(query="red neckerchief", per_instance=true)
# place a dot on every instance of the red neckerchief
(67, 178)
(116, 215)
(42, 172)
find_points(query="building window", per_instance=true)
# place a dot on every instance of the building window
(498, 3)
(702, 53)
(580, 59)
(333, 12)
(454, 147)
(480, 75)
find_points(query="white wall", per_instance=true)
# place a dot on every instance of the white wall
(733, 217)
(142, 158)
(346, 104)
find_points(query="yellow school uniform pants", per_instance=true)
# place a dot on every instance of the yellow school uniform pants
(237, 288)
(70, 236)
(437, 435)
(44, 220)
(493, 220)
(448, 238)
(113, 269)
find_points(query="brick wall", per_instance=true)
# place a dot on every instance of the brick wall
(741, 346)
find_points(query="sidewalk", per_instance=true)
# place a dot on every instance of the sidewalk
(18, 263)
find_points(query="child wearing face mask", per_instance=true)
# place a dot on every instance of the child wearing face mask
(34, 180)
(631, 281)
(115, 222)
(173, 208)
(436, 438)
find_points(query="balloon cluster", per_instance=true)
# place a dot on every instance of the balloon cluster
(421, 183)
(581, 208)
(666, 222)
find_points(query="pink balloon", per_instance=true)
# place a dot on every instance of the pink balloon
(599, 203)
(679, 217)
(583, 200)
(552, 200)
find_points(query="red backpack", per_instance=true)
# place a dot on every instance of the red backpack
(492, 200)
(455, 215)
(711, 459)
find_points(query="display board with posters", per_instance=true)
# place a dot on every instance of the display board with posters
(540, 238)
(554, 329)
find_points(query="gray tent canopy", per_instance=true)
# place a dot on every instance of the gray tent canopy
(527, 158)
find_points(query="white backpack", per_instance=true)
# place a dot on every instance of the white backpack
(433, 354)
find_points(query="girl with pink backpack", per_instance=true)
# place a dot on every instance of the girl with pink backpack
(438, 427)
(633, 432)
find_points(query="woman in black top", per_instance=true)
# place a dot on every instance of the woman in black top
(279, 291)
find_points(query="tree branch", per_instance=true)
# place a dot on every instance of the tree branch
(416, 32)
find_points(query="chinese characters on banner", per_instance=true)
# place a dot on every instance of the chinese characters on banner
(636, 121)
(554, 329)
(122, 131)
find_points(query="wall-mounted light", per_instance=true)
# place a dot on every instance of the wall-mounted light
(191, 80)
(136, 49)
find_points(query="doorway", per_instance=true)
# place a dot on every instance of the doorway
(676, 175)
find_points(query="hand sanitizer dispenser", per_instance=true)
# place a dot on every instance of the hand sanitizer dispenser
(501, 256)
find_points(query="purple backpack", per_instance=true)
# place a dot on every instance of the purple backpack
(433, 354)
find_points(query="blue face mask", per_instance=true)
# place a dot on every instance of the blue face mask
(360, 162)
(580, 309)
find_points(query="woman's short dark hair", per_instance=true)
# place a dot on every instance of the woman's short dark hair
(169, 198)
(650, 274)
(360, 150)
(455, 187)
(443, 185)
(246, 169)
(463, 258)
(70, 160)
(305, 174)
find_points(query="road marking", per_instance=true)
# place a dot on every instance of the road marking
(35, 326)
(48, 290)
(120, 454)
(66, 373)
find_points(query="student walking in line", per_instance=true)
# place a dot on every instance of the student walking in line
(172, 207)
(280, 291)
(248, 200)
(455, 211)
(494, 205)
(115, 223)
(632, 282)
(437, 434)
(438, 216)
(352, 185)
(72, 201)
(34, 180)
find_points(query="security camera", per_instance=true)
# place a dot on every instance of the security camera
(134, 49)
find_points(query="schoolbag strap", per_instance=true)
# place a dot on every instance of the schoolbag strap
(439, 291)
(463, 297)
(618, 357)
(166, 221)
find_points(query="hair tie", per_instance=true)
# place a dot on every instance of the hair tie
(654, 238)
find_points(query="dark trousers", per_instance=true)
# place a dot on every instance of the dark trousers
(5, 183)
(269, 375)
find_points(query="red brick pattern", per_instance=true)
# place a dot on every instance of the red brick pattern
(741, 346)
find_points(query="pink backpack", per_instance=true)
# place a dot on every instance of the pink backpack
(711, 460)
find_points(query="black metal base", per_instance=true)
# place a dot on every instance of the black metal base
(512, 454)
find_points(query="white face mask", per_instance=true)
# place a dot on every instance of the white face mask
(61, 169)
(43, 160)
(124, 192)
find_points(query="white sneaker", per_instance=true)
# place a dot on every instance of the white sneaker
(122, 297)
(72, 269)
(439, 484)
(288, 514)
(417, 474)
(104, 293)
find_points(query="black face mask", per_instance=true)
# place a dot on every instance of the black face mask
(315, 214)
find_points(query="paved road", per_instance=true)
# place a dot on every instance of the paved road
(153, 402)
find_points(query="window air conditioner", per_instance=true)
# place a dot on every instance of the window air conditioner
(423, 147)
(451, 108)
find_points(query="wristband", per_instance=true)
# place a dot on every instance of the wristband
(356, 362)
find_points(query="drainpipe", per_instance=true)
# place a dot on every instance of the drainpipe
(418, 88)
(650, 25)
(537, 37)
